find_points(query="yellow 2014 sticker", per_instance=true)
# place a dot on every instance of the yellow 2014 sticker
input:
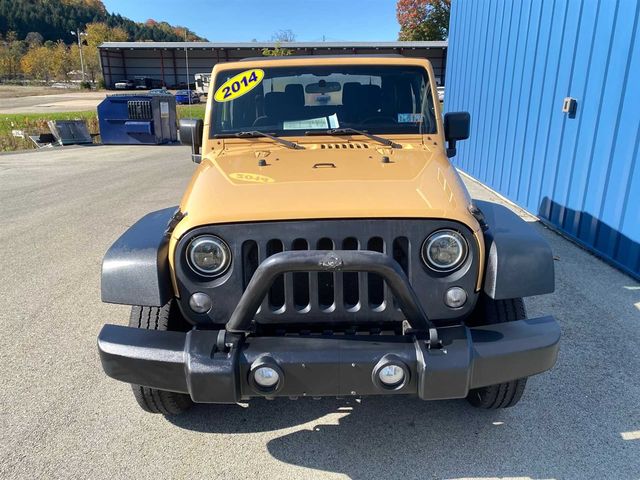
(251, 177)
(239, 85)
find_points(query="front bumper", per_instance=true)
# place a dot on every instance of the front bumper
(196, 363)
(215, 366)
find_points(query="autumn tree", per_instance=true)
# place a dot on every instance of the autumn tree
(11, 51)
(59, 61)
(423, 19)
(37, 63)
(98, 33)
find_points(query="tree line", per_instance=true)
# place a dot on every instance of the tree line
(56, 19)
(36, 40)
(37, 59)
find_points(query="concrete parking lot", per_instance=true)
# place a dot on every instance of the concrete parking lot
(61, 417)
(42, 100)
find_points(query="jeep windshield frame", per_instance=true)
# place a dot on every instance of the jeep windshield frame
(294, 101)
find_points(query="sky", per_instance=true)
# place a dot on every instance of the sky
(243, 21)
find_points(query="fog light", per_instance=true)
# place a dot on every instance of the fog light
(455, 297)
(200, 302)
(391, 375)
(266, 377)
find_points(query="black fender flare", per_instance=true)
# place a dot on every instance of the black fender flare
(135, 269)
(519, 261)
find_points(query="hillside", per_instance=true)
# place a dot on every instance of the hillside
(55, 19)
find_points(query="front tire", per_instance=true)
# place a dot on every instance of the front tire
(153, 400)
(502, 395)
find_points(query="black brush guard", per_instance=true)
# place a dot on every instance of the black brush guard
(215, 366)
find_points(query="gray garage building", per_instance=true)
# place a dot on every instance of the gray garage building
(168, 61)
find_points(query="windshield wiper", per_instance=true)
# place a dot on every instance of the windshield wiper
(353, 131)
(258, 133)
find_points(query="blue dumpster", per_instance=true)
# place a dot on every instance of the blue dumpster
(137, 119)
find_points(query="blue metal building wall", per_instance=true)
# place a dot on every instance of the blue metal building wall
(511, 63)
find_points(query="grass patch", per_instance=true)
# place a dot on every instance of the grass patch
(192, 111)
(35, 123)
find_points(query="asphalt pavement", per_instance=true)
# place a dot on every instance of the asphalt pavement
(65, 101)
(61, 417)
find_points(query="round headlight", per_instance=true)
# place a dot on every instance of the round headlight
(444, 250)
(208, 255)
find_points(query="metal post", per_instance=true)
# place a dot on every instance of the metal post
(108, 58)
(175, 67)
(164, 84)
(79, 34)
(81, 57)
(124, 63)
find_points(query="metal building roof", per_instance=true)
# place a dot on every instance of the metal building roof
(259, 45)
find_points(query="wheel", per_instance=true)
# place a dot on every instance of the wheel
(153, 400)
(502, 395)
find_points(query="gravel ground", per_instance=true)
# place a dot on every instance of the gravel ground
(61, 417)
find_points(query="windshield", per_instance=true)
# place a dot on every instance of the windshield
(306, 99)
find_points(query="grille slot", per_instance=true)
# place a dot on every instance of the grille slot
(276, 293)
(249, 261)
(401, 255)
(350, 280)
(325, 292)
(376, 284)
(300, 285)
(326, 285)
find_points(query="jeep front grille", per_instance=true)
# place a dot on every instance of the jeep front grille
(333, 298)
(325, 292)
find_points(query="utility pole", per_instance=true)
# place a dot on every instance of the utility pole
(79, 34)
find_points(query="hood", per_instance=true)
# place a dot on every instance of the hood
(334, 180)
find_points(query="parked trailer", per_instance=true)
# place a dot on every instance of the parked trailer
(202, 83)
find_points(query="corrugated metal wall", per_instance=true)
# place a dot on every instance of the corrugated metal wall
(511, 63)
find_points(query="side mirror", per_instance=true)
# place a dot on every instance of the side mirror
(456, 127)
(191, 134)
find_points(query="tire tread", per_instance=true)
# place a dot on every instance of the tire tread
(508, 394)
(150, 399)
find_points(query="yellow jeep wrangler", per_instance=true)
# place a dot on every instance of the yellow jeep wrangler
(326, 246)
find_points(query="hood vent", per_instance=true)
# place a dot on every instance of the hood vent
(343, 145)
